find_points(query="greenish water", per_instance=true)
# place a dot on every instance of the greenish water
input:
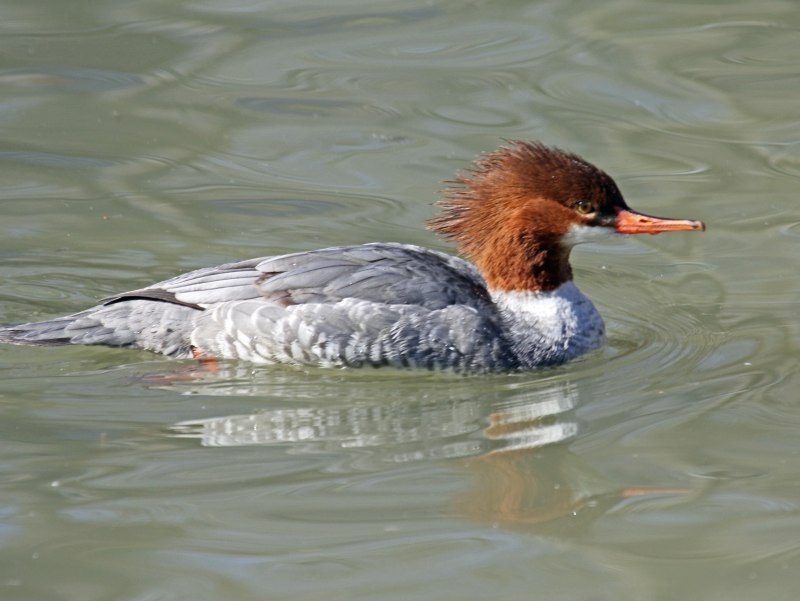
(142, 139)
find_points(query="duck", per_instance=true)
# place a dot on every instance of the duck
(507, 303)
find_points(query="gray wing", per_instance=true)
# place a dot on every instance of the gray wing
(201, 288)
(374, 304)
(393, 274)
(385, 273)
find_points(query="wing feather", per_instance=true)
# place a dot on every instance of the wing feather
(383, 273)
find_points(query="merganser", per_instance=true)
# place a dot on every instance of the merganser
(517, 214)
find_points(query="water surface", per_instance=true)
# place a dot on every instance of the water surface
(140, 140)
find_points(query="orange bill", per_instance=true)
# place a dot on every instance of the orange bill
(630, 222)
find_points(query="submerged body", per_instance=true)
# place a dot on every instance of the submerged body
(394, 304)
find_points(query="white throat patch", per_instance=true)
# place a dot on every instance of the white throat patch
(578, 234)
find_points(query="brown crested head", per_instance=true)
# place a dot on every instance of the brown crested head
(513, 211)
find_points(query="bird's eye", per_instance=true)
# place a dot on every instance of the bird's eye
(584, 207)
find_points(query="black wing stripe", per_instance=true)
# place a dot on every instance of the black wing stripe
(153, 294)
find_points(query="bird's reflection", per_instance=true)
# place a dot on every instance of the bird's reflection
(462, 420)
(510, 433)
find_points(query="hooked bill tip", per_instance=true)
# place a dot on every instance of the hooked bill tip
(630, 222)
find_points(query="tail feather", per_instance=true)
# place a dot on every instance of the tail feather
(146, 324)
(40, 333)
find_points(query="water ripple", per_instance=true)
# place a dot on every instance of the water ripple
(73, 79)
(49, 159)
(498, 47)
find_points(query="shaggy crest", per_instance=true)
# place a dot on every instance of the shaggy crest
(494, 212)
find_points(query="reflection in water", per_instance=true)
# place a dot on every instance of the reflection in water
(530, 488)
(523, 488)
(500, 429)
(488, 420)
(506, 433)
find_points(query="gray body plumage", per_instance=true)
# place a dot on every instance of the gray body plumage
(373, 304)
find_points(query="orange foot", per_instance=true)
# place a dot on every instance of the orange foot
(209, 363)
